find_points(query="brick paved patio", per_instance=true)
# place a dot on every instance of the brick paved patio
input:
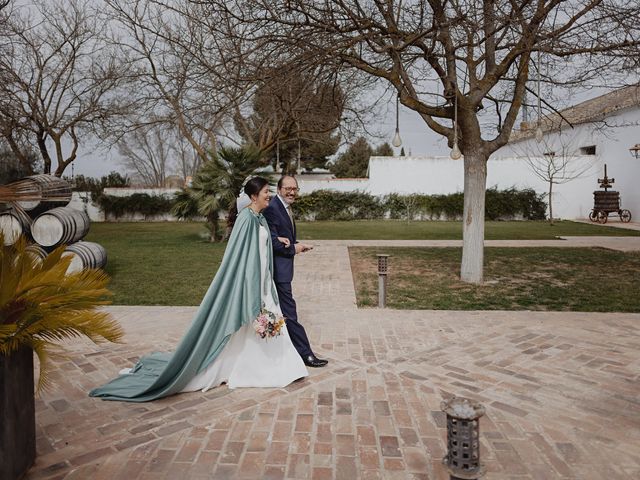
(561, 391)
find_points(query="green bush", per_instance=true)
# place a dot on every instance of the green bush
(147, 205)
(330, 205)
(511, 203)
(97, 185)
(500, 205)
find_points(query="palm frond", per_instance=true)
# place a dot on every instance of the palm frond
(40, 304)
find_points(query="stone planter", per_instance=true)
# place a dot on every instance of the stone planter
(17, 414)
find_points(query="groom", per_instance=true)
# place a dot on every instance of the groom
(285, 247)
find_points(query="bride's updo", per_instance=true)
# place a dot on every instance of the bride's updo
(253, 186)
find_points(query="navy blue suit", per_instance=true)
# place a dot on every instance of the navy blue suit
(281, 226)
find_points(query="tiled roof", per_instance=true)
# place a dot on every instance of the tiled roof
(588, 111)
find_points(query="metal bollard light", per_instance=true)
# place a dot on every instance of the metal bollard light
(383, 266)
(463, 439)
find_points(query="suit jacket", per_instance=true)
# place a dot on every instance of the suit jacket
(280, 226)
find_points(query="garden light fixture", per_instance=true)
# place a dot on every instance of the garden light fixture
(397, 141)
(383, 270)
(455, 150)
(463, 438)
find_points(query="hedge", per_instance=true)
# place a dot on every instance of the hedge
(147, 205)
(506, 204)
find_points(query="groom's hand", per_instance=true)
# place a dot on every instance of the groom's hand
(303, 247)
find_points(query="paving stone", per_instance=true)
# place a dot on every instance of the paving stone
(558, 389)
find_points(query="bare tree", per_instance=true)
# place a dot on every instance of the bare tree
(147, 152)
(59, 81)
(556, 166)
(306, 101)
(186, 159)
(4, 15)
(177, 69)
(463, 65)
(154, 151)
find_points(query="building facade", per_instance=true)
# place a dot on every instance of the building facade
(585, 138)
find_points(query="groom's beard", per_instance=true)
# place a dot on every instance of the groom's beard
(288, 198)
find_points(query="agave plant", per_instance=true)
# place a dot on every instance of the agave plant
(40, 304)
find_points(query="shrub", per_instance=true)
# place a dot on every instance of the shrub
(330, 205)
(97, 185)
(512, 203)
(500, 205)
(147, 205)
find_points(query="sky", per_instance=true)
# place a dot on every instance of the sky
(417, 139)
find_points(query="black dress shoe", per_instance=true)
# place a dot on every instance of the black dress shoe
(313, 361)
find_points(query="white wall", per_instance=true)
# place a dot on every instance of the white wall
(82, 201)
(441, 175)
(573, 199)
(126, 192)
(406, 175)
(336, 184)
(612, 142)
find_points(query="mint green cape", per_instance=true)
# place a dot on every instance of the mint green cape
(232, 300)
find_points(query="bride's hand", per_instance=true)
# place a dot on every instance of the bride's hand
(285, 241)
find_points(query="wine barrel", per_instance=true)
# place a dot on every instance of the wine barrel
(51, 192)
(60, 225)
(12, 226)
(607, 201)
(36, 251)
(85, 255)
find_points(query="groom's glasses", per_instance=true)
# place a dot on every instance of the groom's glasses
(291, 189)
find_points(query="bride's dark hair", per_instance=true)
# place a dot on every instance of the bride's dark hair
(253, 186)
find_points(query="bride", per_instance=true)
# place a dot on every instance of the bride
(222, 344)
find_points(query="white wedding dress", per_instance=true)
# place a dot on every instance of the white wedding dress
(248, 360)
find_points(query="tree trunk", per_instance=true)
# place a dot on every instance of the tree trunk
(551, 203)
(46, 159)
(231, 219)
(475, 185)
(213, 221)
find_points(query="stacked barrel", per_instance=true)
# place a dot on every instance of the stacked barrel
(40, 212)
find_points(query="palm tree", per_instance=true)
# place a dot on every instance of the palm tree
(41, 304)
(216, 186)
(201, 198)
(233, 167)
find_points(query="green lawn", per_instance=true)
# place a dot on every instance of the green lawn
(172, 263)
(565, 279)
(157, 263)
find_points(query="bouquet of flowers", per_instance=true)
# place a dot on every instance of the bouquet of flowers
(267, 324)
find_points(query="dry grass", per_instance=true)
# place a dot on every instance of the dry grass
(576, 279)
